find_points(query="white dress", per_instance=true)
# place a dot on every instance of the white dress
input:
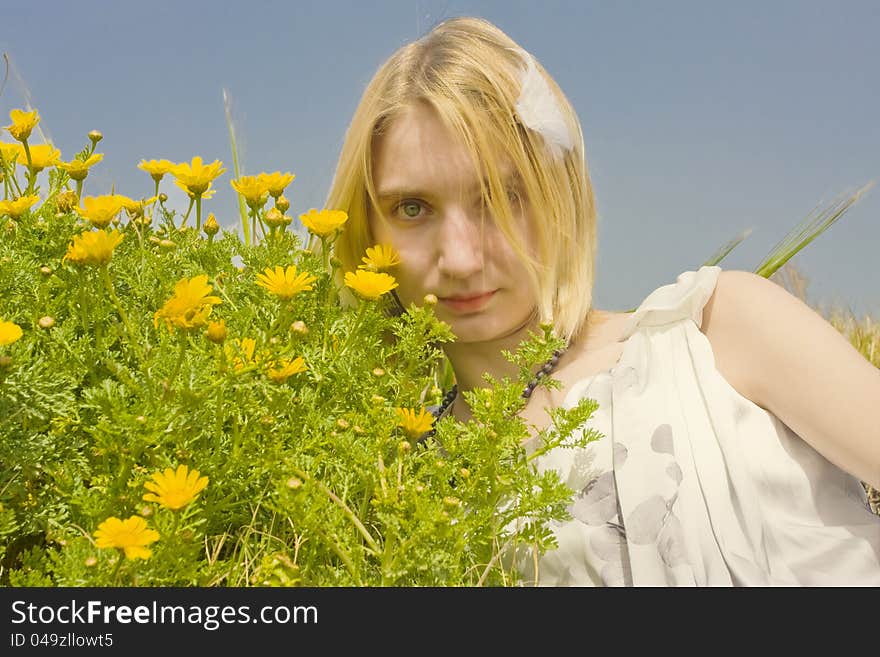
(692, 483)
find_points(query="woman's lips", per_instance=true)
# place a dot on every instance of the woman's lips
(467, 304)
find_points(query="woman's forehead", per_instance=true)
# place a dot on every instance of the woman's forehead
(418, 152)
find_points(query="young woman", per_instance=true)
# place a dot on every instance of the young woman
(737, 422)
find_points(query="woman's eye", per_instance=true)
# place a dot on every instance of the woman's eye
(410, 209)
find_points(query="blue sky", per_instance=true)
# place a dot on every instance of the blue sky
(701, 119)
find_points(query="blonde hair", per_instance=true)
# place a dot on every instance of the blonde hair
(469, 72)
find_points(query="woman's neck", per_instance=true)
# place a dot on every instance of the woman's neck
(471, 360)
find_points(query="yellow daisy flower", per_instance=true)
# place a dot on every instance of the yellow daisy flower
(100, 210)
(288, 368)
(22, 123)
(156, 168)
(276, 182)
(93, 247)
(135, 208)
(174, 490)
(190, 305)
(241, 352)
(285, 283)
(132, 536)
(42, 156)
(216, 332)
(414, 424)
(208, 193)
(369, 284)
(9, 333)
(9, 152)
(252, 188)
(379, 257)
(79, 169)
(18, 207)
(324, 222)
(195, 176)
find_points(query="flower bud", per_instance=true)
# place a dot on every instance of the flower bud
(211, 226)
(46, 322)
(163, 197)
(154, 239)
(294, 483)
(378, 371)
(5, 362)
(146, 511)
(216, 332)
(66, 201)
(282, 204)
(167, 244)
(465, 473)
(90, 562)
(378, 399)
(46, 271)
(430, 300)
(299, 327)
(403, 446)
(451, 502)
(274, 217)
(95, 136)
(342, 423)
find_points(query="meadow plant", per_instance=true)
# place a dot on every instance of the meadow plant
(181, 408)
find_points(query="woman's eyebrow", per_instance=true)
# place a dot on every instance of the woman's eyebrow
(397, 192)
(512, 178)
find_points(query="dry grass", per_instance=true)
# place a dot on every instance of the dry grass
(863, 334)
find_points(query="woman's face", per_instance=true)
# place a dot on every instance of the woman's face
(449, 246)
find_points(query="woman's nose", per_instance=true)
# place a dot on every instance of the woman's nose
(461, 245)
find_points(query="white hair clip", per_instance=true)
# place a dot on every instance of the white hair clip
(538, 109)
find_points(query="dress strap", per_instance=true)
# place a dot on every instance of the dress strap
(680, 300)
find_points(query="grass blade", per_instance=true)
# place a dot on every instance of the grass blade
(817, 222)
(242, 211)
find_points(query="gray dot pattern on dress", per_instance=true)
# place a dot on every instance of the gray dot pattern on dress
(670, 542)
(644, 523)
(597, 502)
(619, 455)
(661, 441)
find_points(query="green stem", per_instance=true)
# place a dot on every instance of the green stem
(180, 355)
(342, 505)
(11, 176)
(354, 329)
(198, 213)
(108, 284)
(155, 198)
(32, 175)
(79, 188)
(115, 574)
(328, 301)
(188, 210)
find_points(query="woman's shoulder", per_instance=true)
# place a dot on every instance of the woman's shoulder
(683, 299)
(716, 301)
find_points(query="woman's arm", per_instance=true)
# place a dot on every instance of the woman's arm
(779, 353)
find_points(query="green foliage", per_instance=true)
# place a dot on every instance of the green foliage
(312, 480)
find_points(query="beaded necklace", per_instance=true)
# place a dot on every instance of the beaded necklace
(545, 370)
